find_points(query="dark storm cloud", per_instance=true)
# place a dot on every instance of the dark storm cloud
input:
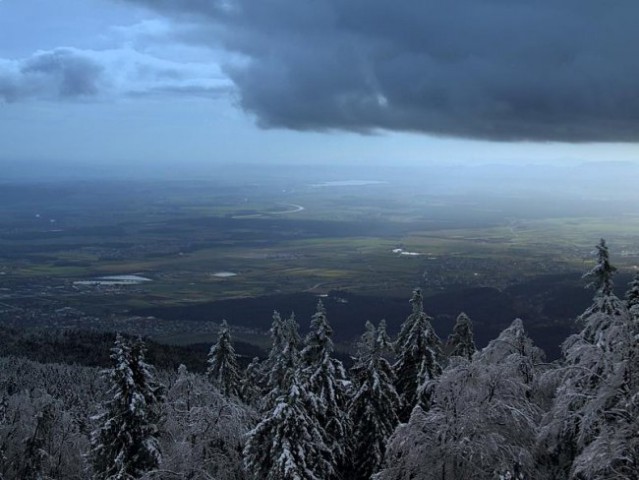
(563, 70)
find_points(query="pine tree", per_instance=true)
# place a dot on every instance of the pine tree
(374, 406)
(326, 381)
(461, 342)
(223, 369)
(419, 353)
(125, 445)
(289, 444)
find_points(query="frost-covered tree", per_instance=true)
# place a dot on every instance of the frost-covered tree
(35, 451)
(205, 431)
(481, 423)
(515, 348)
(461, 342)
(601, 274)
(596, 381)
(632, 300)
(289, 444)
(253, 377)
(326, 381)
(223, 369)
(125, 445)
(613, 454)
(419, 353)
(284, 357)
(43, 418)
(375, 404)
(383, 338)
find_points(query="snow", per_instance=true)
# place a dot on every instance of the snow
(224, 274)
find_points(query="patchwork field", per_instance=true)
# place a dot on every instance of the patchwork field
(206, 242)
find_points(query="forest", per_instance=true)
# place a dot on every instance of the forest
(411, 407)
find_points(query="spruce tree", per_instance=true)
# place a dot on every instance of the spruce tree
(419, 353)
(601, 274)
(375, 404)
(461, 342)
(325, 378)
(289, 444)
(606, 308)
(125, 444)
(223, 369)
(597, 375)
(284, 357)
(383, 339)
(250, 390)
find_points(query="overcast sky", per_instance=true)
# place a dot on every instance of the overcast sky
(206, 81)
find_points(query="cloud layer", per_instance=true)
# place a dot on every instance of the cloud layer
(73, 74)
(494, 69)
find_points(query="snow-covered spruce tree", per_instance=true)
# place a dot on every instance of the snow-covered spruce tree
(608, 442)
(613, 454)
(375, 404)
(461, 342)
(383, 339)
(250, 391)
(481, 423)
(596, 384)
(419, 353)
(223, 369)
(606, 308)
(125, 444)
(325, 380)
(289, 444)
(283, 359)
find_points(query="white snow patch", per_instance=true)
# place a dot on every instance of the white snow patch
(224, 274)
(114, 280)
(401, 251)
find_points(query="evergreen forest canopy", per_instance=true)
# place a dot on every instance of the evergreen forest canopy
(410, 407)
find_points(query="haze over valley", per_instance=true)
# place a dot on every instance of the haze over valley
(170, 257)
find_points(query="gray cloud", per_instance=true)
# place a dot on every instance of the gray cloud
(495, 69)
(60, 73)
(70, 74)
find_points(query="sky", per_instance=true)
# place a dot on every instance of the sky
(178, 82)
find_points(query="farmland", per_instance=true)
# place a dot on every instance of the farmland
(209, 247)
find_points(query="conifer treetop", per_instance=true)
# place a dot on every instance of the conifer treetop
(461, 341)
(223, 369)
(125, 445)
(601, 274)
(632, 295)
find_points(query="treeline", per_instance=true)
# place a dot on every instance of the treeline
(92, 349)
(412, 407)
